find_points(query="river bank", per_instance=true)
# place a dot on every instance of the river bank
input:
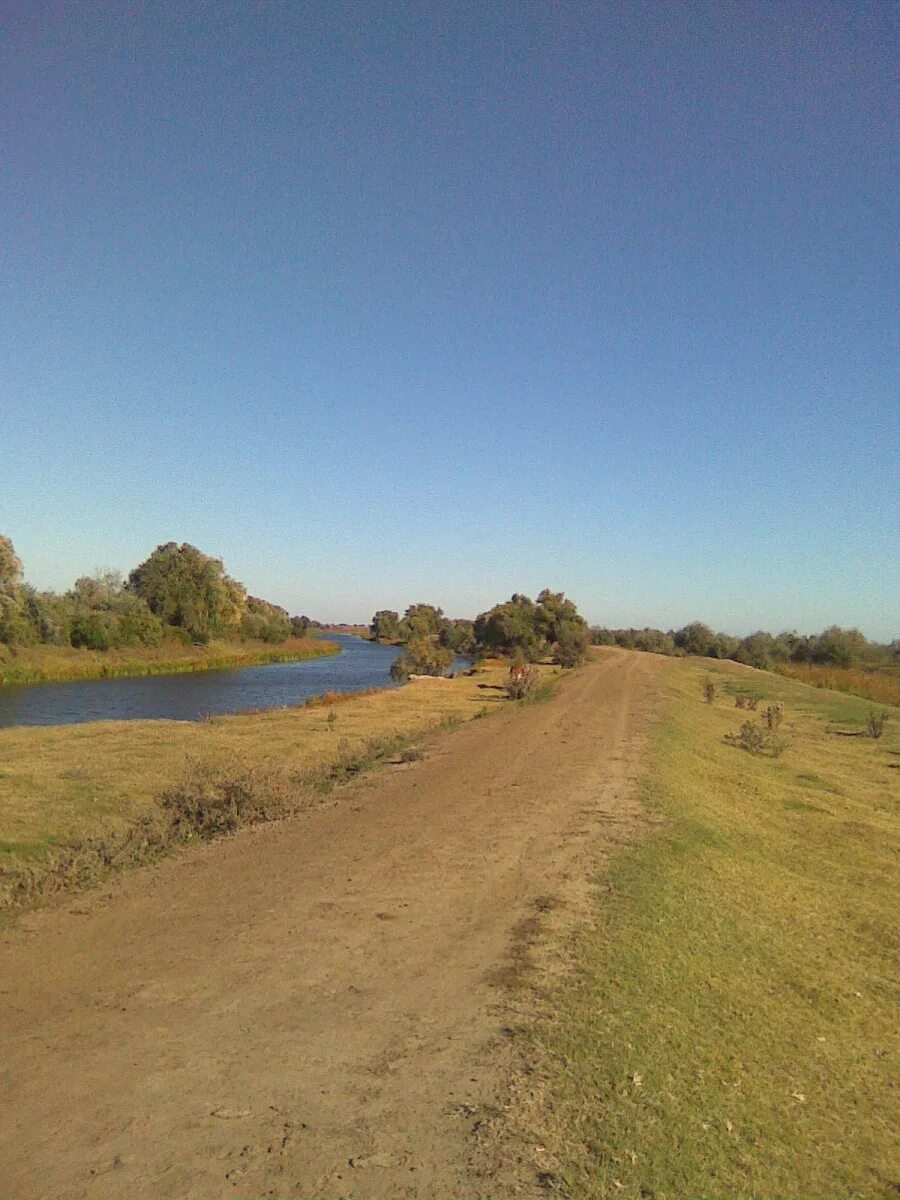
(60, 664)
(70, 793)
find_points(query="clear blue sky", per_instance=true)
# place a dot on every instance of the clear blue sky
(385, 303)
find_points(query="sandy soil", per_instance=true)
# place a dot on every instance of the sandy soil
(312, 1009)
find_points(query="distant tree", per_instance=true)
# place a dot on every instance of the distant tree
(422, 656)
(422, 621)
(839, 647)
(600, 636)
(757, 650)
(555, 613)
(570, 647)
(510, 628)
(13, 627)
(189, 590)
(300, 626)
(654, 641)
(385, 626)
(695, 638)
(458, 636)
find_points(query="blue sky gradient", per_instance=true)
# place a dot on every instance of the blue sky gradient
(385, 303)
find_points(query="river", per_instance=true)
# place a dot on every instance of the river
(359, 666)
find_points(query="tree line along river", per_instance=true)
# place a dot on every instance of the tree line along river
(360, 665)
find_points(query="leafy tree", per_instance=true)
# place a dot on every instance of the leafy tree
(553, 612)
(189, 590)
(95, 631)
(300, 626)
(265, 622)
(422, 621)
(571, 643)
(385, 626)
(839, 647)
(12, 625)
(422, 656)
(654, 641)
(696, 638)
(458, 636)
(511, 627)
(757, 650)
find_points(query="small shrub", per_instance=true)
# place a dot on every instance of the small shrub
(411, 754)
(708, 690)
(331, 719)
(875, 723)
(213, 799)
(756, 739)
(751, 738)
(773, 715)
(752, 702)
(777, 746)
(740, 700)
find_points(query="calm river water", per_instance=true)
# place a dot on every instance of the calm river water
(360, 665)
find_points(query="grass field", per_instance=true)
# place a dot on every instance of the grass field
(64, 784)
(38, 664)
(731, 1029)
(880, 686)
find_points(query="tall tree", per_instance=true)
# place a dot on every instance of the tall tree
(190, 590)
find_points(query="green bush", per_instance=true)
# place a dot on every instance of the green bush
(95, 631)
(571, 644)
(421, 657)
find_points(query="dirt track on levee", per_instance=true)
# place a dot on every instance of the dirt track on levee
(312, 1008)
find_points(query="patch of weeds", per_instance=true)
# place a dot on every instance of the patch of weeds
(773, 715)
(756, 739)
(708, 689)
(875, 723)
(411, 754)
(542, 693)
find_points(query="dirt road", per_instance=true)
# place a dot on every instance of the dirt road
(308, 1009)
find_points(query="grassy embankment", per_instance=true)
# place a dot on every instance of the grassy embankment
(730, 1029)
(74, 799)
(40, 664)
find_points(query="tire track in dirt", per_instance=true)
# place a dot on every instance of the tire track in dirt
(311, 1008)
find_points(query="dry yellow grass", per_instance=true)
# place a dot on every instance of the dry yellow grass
(882, 686)
(33, 664)
(65, 782)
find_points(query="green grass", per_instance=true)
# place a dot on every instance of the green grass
(730, 1029)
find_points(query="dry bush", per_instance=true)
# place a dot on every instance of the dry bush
(756, 739)
(213, 799)
(210, 800)
(708, 690)
(740, 700)
(879, 685)
(773, 715)
(329, 699)
(522, 681)
(875, 723)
